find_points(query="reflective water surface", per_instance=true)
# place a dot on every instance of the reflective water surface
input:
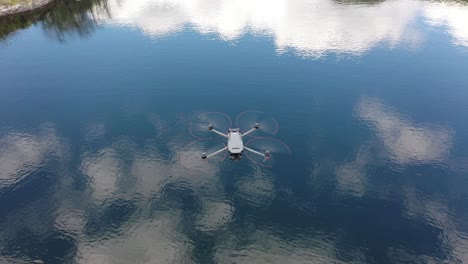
(97, 163)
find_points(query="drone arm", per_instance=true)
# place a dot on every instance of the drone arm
(254, 151)
(215, 153)
(255, 127)
(248, 132)
(219, 133)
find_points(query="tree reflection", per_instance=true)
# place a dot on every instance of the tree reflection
(73, 18)
(65, 18)
(10, 24)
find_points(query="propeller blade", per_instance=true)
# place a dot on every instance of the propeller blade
(271, 148)
(267, 124)
(199, 126)
(191, 155)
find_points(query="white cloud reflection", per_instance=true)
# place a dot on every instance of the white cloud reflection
(153, 241)
(351, 176)
(257, 190)
(453, 16)
(151, 175)
(23, 152)
(311, 28)
(406, 141)
(436, 212)
(214, 215)
(155, 234)
(104, 171)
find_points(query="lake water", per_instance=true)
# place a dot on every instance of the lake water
(96, 164)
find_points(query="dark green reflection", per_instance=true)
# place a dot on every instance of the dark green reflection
(58, 20)
(10, 24)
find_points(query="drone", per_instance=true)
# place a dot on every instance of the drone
(242, 139)
(235, 144)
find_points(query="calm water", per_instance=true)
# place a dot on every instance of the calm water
(96, 98)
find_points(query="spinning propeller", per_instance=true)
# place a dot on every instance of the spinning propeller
(260, 150)
(266, 124)
(264, 151)
(201, 125)
(189, 156)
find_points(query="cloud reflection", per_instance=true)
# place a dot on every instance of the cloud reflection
(436, 211)
(155, 232)
(152, 174)
(154, 241)
(351, 176)
(257, 190)
(171, 211)
(406, 141)
(21, 152)
(453, 16)
(214, 215)
(312, 28)
(104, 170)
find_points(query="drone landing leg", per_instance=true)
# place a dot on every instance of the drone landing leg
(204, 156)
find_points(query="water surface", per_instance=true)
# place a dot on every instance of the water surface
(96, 98)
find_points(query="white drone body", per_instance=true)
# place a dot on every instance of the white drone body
(235, 144)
